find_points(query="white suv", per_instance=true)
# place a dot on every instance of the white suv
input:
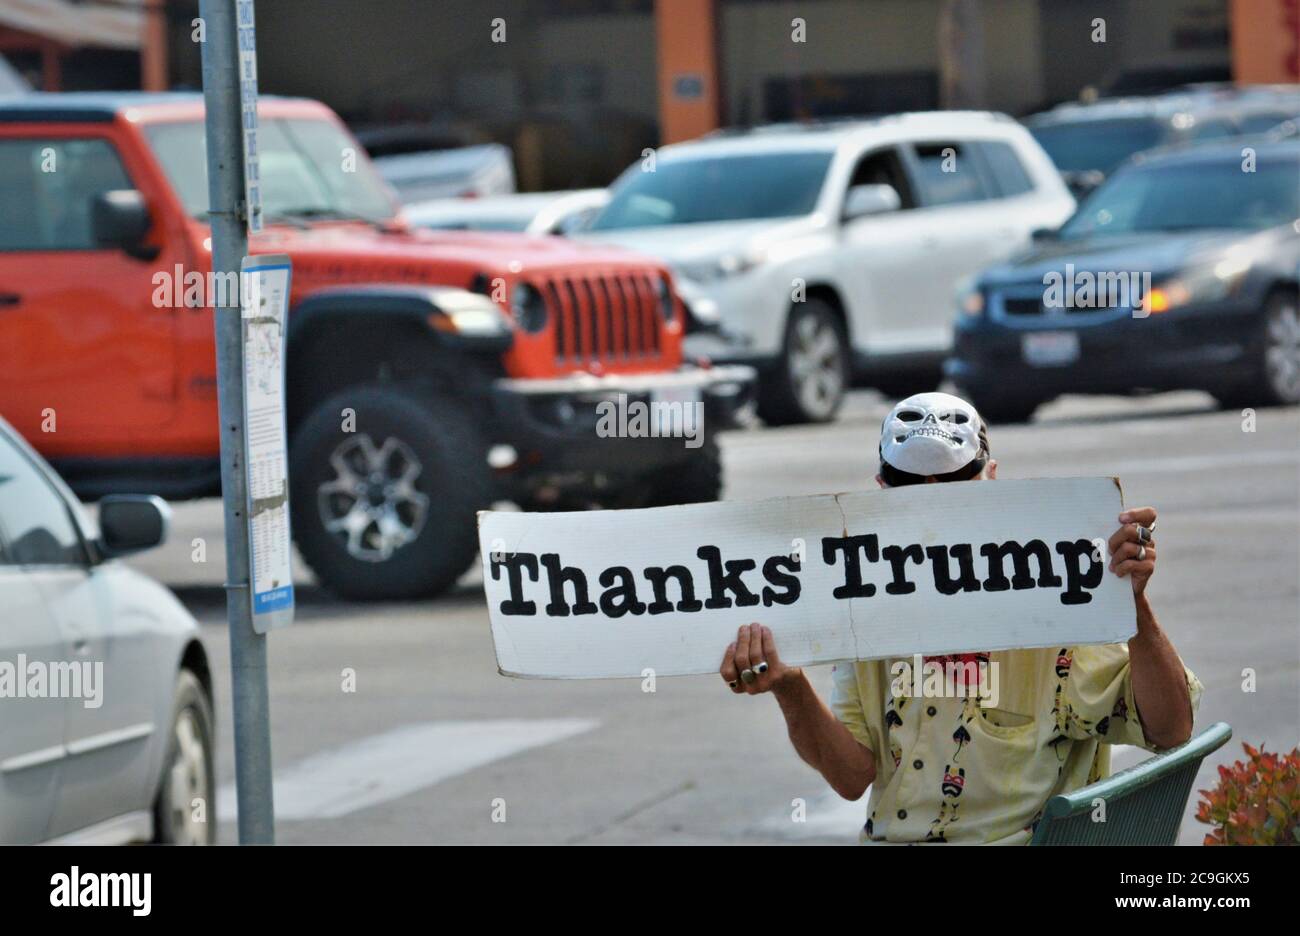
(830, 251)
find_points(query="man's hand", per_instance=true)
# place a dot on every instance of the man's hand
(751, 665)
(817, 735)
(1133, 548)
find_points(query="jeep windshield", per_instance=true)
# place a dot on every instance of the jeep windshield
(1191, 196)
(716, 188)
(305, 171)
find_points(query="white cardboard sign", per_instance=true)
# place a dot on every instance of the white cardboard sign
(931, 569)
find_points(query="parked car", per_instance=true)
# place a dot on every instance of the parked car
(115, 742)
(465, 172)
(1199, 260)
(413, 356)
(531, 213)
(824, 251)
(1088, 141)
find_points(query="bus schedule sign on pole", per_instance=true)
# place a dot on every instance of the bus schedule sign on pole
(247, 38)
(265, 305)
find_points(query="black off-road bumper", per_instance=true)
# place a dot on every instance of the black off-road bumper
(586, 423)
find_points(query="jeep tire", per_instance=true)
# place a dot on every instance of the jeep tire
(696, 481)
(385, 485)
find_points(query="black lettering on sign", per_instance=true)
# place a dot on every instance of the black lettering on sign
(685, 584)
(853, 547)
(556, 576)
(720, 583)
(515, 564)
(772, 571)
(619, 599)
(897, 557)
(944, 583)
(1075, 580)
(997, 556)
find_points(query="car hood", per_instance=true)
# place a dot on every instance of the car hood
(693, 243)
(361, 253)
(1158, 253)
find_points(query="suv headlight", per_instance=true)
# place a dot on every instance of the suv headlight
(732, 264)
(528, 306)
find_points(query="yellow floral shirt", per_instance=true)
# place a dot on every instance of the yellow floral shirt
(954, 770)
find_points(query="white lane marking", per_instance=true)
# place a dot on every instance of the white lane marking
(386, 766)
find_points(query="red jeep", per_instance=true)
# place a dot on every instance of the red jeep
(428, 374)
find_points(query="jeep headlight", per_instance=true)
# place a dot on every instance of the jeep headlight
(665, 298)
(528, 306)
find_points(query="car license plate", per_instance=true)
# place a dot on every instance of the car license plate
(1050, 349)
(675, 395)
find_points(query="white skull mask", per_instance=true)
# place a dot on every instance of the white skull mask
(930, 434)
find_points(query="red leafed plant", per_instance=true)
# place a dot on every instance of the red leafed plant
(1257, 801)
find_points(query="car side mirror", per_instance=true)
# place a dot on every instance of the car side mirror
(864, 200)
(131, 523)
(120, 218)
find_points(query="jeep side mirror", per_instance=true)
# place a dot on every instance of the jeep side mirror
(131, 523)
(120, 219)
(864, 200)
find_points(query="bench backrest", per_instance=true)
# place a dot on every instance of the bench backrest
(1144, 804)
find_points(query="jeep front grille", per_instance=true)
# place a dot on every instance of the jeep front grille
(605, 319)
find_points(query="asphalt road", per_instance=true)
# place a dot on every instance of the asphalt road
(434, 746)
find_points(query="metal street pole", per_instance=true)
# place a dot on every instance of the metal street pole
(248, 671)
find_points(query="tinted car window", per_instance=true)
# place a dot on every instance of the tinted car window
(38, 529)
(1259, 123)
(46, 190)
(1191, 196)
(1005, 167)
(717, 188)
(1097, 144)
(1213, 130)
(948, 175)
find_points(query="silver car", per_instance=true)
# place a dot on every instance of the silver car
(106, 725)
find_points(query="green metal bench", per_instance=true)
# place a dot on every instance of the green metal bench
(1144, 804)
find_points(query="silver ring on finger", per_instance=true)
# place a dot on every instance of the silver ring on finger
(1142, 553)
(1144, 535)
(747, 677)
(760, 667)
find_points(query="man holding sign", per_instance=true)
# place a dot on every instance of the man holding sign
(969, 748)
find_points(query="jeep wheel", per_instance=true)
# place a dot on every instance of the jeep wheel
(697, 481)
(808, 383)
(383, 507)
